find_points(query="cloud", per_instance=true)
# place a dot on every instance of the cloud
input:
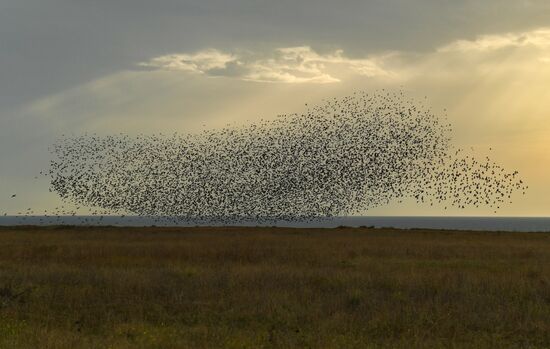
(539, 38)
(299, 64)
(502, 56)
(200, 62)
(302, 64)
(174, 82)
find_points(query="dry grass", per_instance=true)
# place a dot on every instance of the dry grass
(272, 288)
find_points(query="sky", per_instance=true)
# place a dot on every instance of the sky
(135, 66)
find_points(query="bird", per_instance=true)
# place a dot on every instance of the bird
(340, 157)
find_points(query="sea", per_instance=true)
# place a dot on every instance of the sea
(518, 224)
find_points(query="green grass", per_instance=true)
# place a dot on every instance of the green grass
(272, 288)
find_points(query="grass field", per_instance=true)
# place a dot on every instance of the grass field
(272, 288)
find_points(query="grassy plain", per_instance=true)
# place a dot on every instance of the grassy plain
(272, 288)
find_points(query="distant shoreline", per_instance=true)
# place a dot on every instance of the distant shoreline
(237, 228)
(462, 223)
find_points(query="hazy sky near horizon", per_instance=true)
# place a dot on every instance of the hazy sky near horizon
(136, 66)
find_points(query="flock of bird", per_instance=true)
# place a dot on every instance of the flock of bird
(339, 158)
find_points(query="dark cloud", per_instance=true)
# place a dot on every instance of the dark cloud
(50, 45)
